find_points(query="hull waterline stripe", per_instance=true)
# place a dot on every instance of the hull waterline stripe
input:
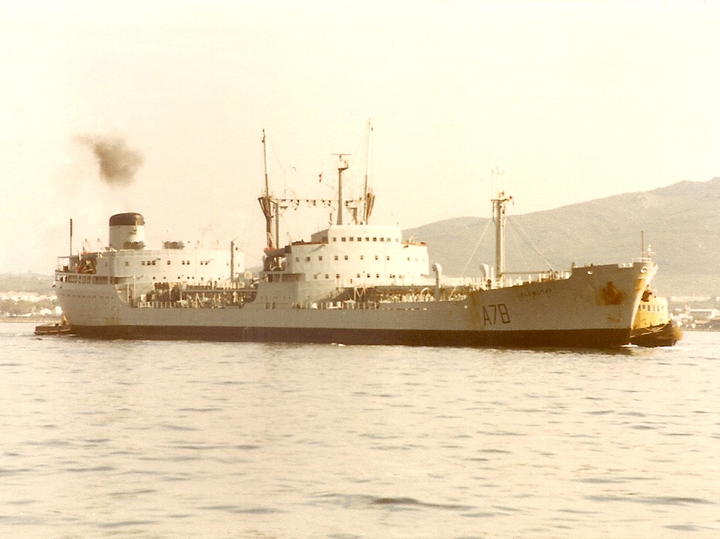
(586, 338)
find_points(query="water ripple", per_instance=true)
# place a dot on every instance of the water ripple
(155, 440)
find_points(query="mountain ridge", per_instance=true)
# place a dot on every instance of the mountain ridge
(680, 221)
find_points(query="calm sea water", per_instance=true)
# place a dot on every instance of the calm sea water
(145, 439)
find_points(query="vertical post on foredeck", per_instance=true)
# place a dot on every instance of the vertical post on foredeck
(642, 244)
(499, 217)
(71, 236)
(498, 202)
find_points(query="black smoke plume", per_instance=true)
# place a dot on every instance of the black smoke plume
(118, 163)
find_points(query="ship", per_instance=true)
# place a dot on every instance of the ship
(653, 325)
(350, 283)
(54, 328)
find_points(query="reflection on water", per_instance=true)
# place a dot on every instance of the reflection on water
(185, 439)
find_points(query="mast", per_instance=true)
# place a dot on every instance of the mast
(342, 166)
(265, 163)
(499, 202)
(267, 204)
(232, 261)
(367, 205)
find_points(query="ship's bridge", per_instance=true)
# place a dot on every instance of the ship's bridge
(360, 255)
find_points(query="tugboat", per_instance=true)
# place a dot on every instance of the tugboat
(653, 325)
(56, 328)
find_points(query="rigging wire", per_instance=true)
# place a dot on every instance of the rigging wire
(514, 235)
(462, 274)
(530, 242)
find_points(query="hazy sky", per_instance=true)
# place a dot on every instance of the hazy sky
(573, 100)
